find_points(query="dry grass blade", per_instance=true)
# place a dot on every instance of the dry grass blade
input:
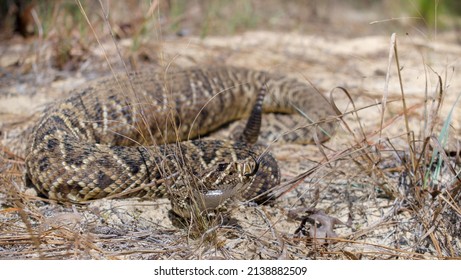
(386, 88)
(405, 109)
(354, 112)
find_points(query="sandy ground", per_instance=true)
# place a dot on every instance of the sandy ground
(358, 199)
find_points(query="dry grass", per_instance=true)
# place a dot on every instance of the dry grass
(386, 186)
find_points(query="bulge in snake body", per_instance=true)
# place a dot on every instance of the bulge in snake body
(128, 135)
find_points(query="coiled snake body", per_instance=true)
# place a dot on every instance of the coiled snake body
(121, 137)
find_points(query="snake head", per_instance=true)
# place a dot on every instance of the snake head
(214, 188)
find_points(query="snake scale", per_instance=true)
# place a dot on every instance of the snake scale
(128, 136)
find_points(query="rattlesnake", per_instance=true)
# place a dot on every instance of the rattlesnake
(110, 137)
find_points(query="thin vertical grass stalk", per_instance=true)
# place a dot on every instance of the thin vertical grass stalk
(405, 109)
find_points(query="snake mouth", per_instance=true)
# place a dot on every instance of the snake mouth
(206, 203)
(215, 199)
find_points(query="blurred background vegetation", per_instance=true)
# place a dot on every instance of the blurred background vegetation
(215, 17)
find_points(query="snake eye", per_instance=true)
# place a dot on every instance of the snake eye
(221, 167)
